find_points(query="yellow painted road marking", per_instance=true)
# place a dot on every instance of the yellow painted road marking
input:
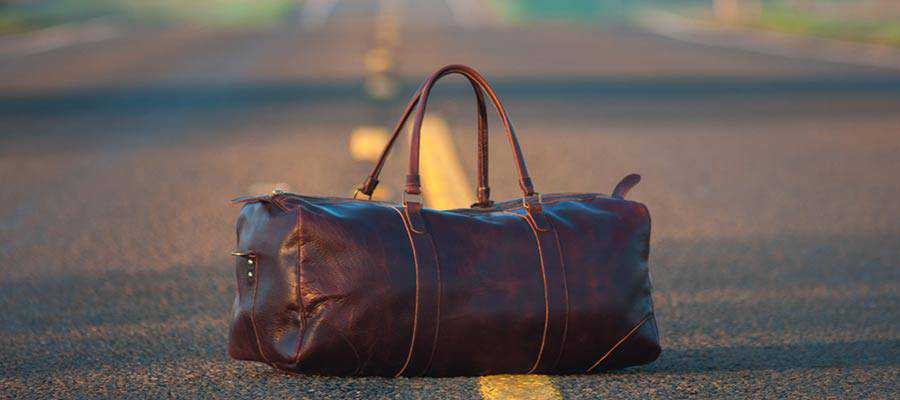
(519, 387)
(380, 61)
(387, 23)
(367, 142)
(444, 183)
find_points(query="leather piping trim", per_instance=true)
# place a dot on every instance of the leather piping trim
(530, 209)
(253, 312)
(440, 292)
(349, 343)
(422, 275)
(408, 221)
(412, 340)
(537, 240)
(622, 340)
(548, 199)
(302, 328)
(565, 280)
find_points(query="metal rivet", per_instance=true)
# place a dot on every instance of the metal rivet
(250, 274)
(249, 261)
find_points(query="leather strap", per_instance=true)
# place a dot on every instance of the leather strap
(484, 191)
(556, 294)
(413, 185)
(426, 320)
(616, 346)
(625, 185)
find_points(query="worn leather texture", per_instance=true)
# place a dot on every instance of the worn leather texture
(548, 284)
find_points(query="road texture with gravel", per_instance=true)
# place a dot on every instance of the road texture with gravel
(773, 185)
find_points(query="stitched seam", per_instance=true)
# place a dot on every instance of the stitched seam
(330, 201)
(409, 221)
(546, 299)
(619, 343)
(437, 326)
(371, 352)
(302, 328)
(533, 221)
(343, 336)
(552, 201)
(253, 313)
(237, 286)
(546, 306)
(562, 265)
(412, 246)
(237, 274)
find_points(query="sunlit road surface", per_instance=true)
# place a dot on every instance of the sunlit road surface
(772, 183)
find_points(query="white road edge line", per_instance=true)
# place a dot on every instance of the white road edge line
(770, 42)
(59, 36)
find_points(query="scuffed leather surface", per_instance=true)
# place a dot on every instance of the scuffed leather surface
(335, 291)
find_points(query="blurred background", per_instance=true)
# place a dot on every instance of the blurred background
(767, 133)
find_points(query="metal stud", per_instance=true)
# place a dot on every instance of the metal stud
(250, 261)
(250, 274)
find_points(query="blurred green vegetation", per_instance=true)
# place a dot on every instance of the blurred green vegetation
(874, 21)
(581, 11)
(525, 10)
(839, 19)
(21, 15)
(782, 16)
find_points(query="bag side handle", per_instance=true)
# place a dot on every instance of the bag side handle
(413, 184)
(484, 192)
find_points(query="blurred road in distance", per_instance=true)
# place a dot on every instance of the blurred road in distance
(772, 182)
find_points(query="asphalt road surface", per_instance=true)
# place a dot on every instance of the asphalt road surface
(773, 185)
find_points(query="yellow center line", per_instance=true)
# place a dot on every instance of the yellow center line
(519, 387)
(444, 183)
(380, 61)
(445, 186)
(366, 144)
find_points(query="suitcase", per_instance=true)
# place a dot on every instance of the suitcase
(545, 284)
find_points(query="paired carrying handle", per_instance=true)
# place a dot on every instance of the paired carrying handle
(371, 182)
(413, 184)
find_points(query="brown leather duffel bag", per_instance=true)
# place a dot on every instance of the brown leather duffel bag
(549, 284)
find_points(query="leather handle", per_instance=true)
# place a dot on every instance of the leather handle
(413, 184)
(484, 191)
